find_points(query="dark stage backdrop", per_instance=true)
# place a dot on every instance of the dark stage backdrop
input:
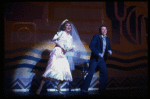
(30, 26)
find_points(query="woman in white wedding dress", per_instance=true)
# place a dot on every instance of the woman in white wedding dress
(58, 65)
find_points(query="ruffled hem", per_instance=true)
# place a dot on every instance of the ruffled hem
(58, 76)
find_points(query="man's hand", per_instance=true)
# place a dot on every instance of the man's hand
(110, 52)
(100, 55)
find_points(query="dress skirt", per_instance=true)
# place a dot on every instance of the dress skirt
(70, 60)
(58, 66)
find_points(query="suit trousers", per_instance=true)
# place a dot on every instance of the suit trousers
(102, 74)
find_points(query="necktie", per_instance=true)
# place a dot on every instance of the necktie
(104, 44)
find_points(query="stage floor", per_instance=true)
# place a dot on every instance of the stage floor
(109, 93)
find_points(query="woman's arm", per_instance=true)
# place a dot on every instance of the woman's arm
(56, 40)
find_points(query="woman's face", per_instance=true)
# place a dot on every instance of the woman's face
(68, 27)
(103, 30)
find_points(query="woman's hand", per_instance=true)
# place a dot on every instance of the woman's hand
(64, 51)
(72, 49)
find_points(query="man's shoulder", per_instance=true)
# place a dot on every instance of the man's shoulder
(96, 35)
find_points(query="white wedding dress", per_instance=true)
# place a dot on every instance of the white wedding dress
(58, 67)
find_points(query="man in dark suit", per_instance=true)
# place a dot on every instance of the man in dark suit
(100, 47)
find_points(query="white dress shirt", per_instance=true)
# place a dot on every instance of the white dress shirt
(104, 47)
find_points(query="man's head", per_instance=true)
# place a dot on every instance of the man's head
(103, 30)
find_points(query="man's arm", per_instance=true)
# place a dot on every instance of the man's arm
(93, 45)
(109, 47)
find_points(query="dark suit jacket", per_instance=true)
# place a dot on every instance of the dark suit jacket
(96, 47)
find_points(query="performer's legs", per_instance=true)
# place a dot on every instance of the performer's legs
(103, 76)
(41, 85)
(87, 81)
(59, 85)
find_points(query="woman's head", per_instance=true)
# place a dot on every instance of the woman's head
(66, 26)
